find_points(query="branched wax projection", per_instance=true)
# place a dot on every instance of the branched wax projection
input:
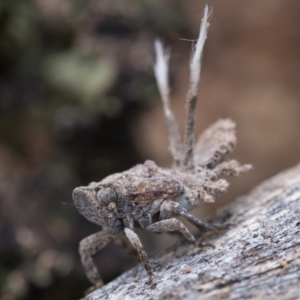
(148, 196)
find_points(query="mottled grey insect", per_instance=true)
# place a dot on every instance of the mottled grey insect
(149, 196)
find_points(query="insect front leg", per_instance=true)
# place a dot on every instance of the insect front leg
(136, 243)
(90, 246)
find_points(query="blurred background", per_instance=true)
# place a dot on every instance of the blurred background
(78, 102)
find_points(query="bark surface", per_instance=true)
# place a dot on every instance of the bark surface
(257, 258)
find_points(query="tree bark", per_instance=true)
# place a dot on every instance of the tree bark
(257, 258)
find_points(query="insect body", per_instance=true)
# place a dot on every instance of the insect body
(151, 197)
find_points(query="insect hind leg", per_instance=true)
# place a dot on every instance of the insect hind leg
(172, 225)
(169, 208)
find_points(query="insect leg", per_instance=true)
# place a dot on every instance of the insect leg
(144, 219)
(136, 243)
(88, 247)
(170, 207)
(172, 225)
(120, 241)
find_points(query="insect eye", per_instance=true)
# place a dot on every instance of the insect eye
(106, 195)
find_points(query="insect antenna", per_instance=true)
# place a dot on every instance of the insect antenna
(67, 203)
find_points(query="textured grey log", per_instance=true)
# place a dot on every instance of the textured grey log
(257, 258)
